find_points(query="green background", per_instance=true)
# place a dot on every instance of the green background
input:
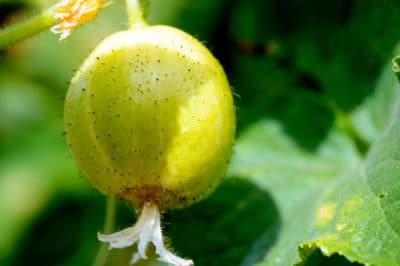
(315, 174)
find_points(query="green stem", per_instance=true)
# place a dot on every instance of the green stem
(27, 28)
(102, 254)
(137, 11)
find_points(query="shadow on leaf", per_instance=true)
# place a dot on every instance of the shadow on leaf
(236, 225)
(305, 117)
(55, 235)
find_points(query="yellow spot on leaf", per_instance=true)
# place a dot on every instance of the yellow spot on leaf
(340, 227)
(324, 213)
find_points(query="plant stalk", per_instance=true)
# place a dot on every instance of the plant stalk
(102, 254)
(27, 28)
(137, 12)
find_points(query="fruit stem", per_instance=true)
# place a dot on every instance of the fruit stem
(27, 28)
(146, 230)
(137, 12)
(102, 254)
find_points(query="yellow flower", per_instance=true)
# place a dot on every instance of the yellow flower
(72, 13)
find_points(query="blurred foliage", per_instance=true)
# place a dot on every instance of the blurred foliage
(315, 175)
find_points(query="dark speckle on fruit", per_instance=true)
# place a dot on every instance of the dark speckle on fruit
(153, 111)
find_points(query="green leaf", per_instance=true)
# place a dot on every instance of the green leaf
(294, 177)
(33, 171)
(359, 216)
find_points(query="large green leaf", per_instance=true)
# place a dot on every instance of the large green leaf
(358, 215)
(295, 178)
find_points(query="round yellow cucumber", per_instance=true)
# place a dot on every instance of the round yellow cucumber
(149, 117)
